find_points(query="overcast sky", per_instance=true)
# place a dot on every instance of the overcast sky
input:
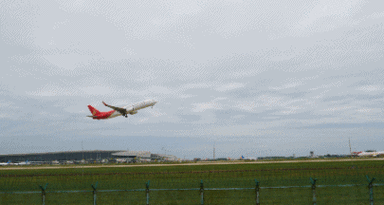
(253, 78)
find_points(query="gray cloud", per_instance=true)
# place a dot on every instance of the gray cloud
(277, 78)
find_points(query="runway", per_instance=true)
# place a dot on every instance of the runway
(10, 167)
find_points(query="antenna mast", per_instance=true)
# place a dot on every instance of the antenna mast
(350, 149)
(214, 150)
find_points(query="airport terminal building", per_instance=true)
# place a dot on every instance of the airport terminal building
(87, 157)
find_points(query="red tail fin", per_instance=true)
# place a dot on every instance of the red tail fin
(93, 110)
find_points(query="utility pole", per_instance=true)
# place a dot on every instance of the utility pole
(214, 150)
(350, 149)
(82, 150)
(165, 153)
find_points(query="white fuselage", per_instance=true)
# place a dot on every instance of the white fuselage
(132, 109)
(374, 154)
(141, 105)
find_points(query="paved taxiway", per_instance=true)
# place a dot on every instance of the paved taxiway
(185, 164)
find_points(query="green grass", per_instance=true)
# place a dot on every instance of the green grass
(184, 177)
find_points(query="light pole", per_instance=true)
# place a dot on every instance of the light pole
(165, 152)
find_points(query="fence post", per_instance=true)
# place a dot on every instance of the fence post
(257, 189)
(43, 192)
(313, 181)
(201, 192)
(370, 186)
(94, 193)
(147, 191)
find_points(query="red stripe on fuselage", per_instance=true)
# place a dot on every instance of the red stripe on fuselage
(103, 115)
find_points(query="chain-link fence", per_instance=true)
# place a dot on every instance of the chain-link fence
(349, 182)
(203, 195)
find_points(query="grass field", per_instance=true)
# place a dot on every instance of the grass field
(187, 177)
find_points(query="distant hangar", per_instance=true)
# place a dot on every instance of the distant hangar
(94, 156)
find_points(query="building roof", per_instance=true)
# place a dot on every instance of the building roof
(132, 154)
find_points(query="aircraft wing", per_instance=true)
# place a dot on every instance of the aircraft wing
(118, 109)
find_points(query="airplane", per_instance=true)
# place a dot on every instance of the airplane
(24, 163)
(248, 158)
(6, 163)
(118, 111)
(369, 153)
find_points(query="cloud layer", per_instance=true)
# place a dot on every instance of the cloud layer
(254, 77)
